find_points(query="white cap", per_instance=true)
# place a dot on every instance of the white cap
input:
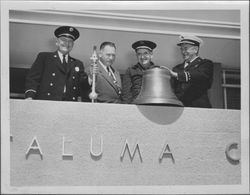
(190, 39)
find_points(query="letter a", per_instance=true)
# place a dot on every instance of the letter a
(166, 152)
(34, 148)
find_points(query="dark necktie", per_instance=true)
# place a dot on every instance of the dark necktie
(109, 73)
(64, 63)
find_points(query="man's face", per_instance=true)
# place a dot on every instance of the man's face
(107, 55)
(188, 51)
(144, 56)
(64, 44)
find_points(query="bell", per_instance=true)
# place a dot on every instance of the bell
(156, 89)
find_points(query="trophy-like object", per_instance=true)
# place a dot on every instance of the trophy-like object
(93, 95)
(156, 88)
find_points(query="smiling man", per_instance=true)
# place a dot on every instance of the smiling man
(108, 80)
(132, 79)
(56, 75)
(192, 79)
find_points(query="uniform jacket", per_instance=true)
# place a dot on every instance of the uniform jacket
(192, 84)
(47, 79)
(108, 91)
(132, 81)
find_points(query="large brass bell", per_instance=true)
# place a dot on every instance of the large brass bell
(156, 89)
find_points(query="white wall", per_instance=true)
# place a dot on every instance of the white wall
(32, 32)
(214, 15)
(197, 148)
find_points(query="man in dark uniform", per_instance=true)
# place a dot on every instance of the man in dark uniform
(132, 80)
(56, 75)
(192, 79)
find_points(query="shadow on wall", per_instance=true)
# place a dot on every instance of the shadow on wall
(162, 115)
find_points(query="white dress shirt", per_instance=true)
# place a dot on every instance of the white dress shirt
(61, 56)
(187, 63)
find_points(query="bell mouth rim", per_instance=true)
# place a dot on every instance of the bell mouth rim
(159, 101)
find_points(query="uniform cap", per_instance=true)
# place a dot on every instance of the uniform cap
(67, 31)
(189, 39)
(143, 44)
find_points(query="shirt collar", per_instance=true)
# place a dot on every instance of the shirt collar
(105, 67)
(188, 63)
(193, 59)
(61, 56)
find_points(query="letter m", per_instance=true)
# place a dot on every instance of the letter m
(131, 154)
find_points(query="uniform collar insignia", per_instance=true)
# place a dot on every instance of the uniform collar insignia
(71, 59)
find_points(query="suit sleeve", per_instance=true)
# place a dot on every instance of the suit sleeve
(194, 82)
(34, 76)
(126, 87)
(84, 84)
(204, 72)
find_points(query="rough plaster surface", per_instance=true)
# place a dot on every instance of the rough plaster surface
(197, 139)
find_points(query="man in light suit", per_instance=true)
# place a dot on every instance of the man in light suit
(56, 75)
(108, 80)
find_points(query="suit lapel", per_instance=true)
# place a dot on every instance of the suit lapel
(117, 84)
(58, 62)
(109, 79)
(117, 76)
(104, 74)
(70, 64)
(193, 63)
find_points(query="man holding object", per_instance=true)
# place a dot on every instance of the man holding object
(192, 79)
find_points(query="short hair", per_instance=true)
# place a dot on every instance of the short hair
(104, 44)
